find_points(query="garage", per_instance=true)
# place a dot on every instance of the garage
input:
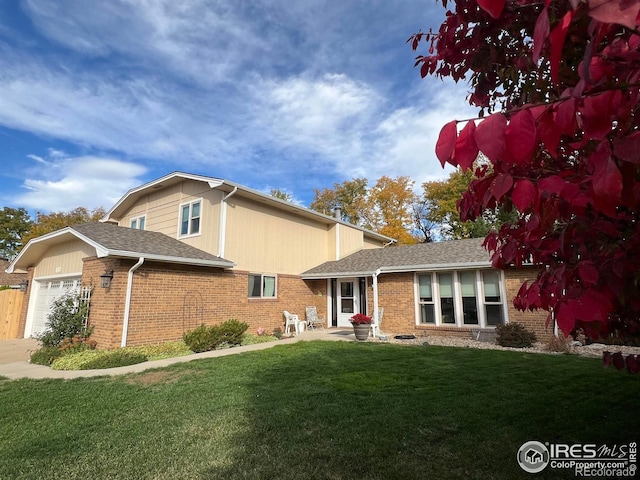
(47, 292)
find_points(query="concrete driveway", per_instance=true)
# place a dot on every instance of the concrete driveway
(17, 350)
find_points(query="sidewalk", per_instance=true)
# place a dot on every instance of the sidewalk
(24, 369)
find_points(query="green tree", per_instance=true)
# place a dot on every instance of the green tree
(46, 223)
(350, 196)
(277, 193)
(441, 200)
(14, 223)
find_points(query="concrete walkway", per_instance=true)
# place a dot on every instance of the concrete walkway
(24, 369)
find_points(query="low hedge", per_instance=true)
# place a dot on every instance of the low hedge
(204, 338)
(98, 359)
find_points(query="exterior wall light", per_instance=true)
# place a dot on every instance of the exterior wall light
(105, 279)
(23, 285)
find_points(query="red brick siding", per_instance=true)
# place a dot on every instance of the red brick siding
(25, 304)
(396, 295)
(531, 320)
(168, 300)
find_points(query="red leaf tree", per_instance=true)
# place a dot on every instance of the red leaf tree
(557, 84)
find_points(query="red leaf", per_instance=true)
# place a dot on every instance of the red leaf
(446, 142)
(492, 7)
(490, 136)
(540, 34)
(466, 150)
(552, 184)
(549, 132)
(566, 318)
(501, 185)
(524, 195)
(622, 12)
(618, 360)
(628, 148)
(606, 180)
(521, 137)
(588, 273)
(556, 39)
(566, 116)
(633, 366)
(606, 358)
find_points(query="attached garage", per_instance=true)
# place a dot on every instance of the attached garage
(46, 292)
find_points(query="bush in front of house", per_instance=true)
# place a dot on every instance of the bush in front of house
(67, 319)
(204, 339)
(46, 355)
(98, 359)
(515, 335)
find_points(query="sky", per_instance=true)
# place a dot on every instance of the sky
(99, 97)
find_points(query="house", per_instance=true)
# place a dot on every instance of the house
(11, 280)
(188, 249)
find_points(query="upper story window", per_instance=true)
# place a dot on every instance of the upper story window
(138, 223)
(190, 218)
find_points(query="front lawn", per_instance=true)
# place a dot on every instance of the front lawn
(316, 410)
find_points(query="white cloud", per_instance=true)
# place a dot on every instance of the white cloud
(80, 182)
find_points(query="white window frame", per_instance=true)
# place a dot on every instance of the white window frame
(457, 298)
(262, 277)
(138, 220)
(190, 233)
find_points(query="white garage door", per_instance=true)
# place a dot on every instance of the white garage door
(48, 291)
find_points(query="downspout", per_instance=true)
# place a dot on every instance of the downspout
(223, 223)
(127, 302)
(376, 329)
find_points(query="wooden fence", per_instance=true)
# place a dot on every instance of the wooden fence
(10, 306)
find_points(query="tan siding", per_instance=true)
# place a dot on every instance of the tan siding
(63, 259)
(350, 240)
(370, 243)
(331, 242)
(263, 239)
(161, 210)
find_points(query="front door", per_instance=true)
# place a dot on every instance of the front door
(348, 300)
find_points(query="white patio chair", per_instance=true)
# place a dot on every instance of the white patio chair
(375, 325)
(312, 318)
(291, 320)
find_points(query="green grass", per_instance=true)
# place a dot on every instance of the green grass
(316, 410)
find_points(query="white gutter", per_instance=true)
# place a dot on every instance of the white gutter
(376, 324)
(127, 302)
(222, 231)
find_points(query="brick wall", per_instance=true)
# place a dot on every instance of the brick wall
(531, 320)
(396, 295)
(168, 300)
(25, 304)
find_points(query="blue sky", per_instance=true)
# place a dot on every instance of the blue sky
(99, 97)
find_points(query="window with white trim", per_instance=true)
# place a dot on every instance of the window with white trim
(190, 218)
(262, 286)
(492, 298)
(464, 298)
(138, 223)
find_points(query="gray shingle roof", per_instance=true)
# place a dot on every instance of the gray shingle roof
(155, 245)
(10, 279)
(450, 254)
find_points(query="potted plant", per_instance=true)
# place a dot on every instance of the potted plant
(361, 325)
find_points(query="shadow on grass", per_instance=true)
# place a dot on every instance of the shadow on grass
(370, 411)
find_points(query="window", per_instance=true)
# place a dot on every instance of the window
(492, 298)
(447, 308)
(138, 223)
(190, 218)
(464, 298)
(425, 292)
(262, 286)
(469, 303)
